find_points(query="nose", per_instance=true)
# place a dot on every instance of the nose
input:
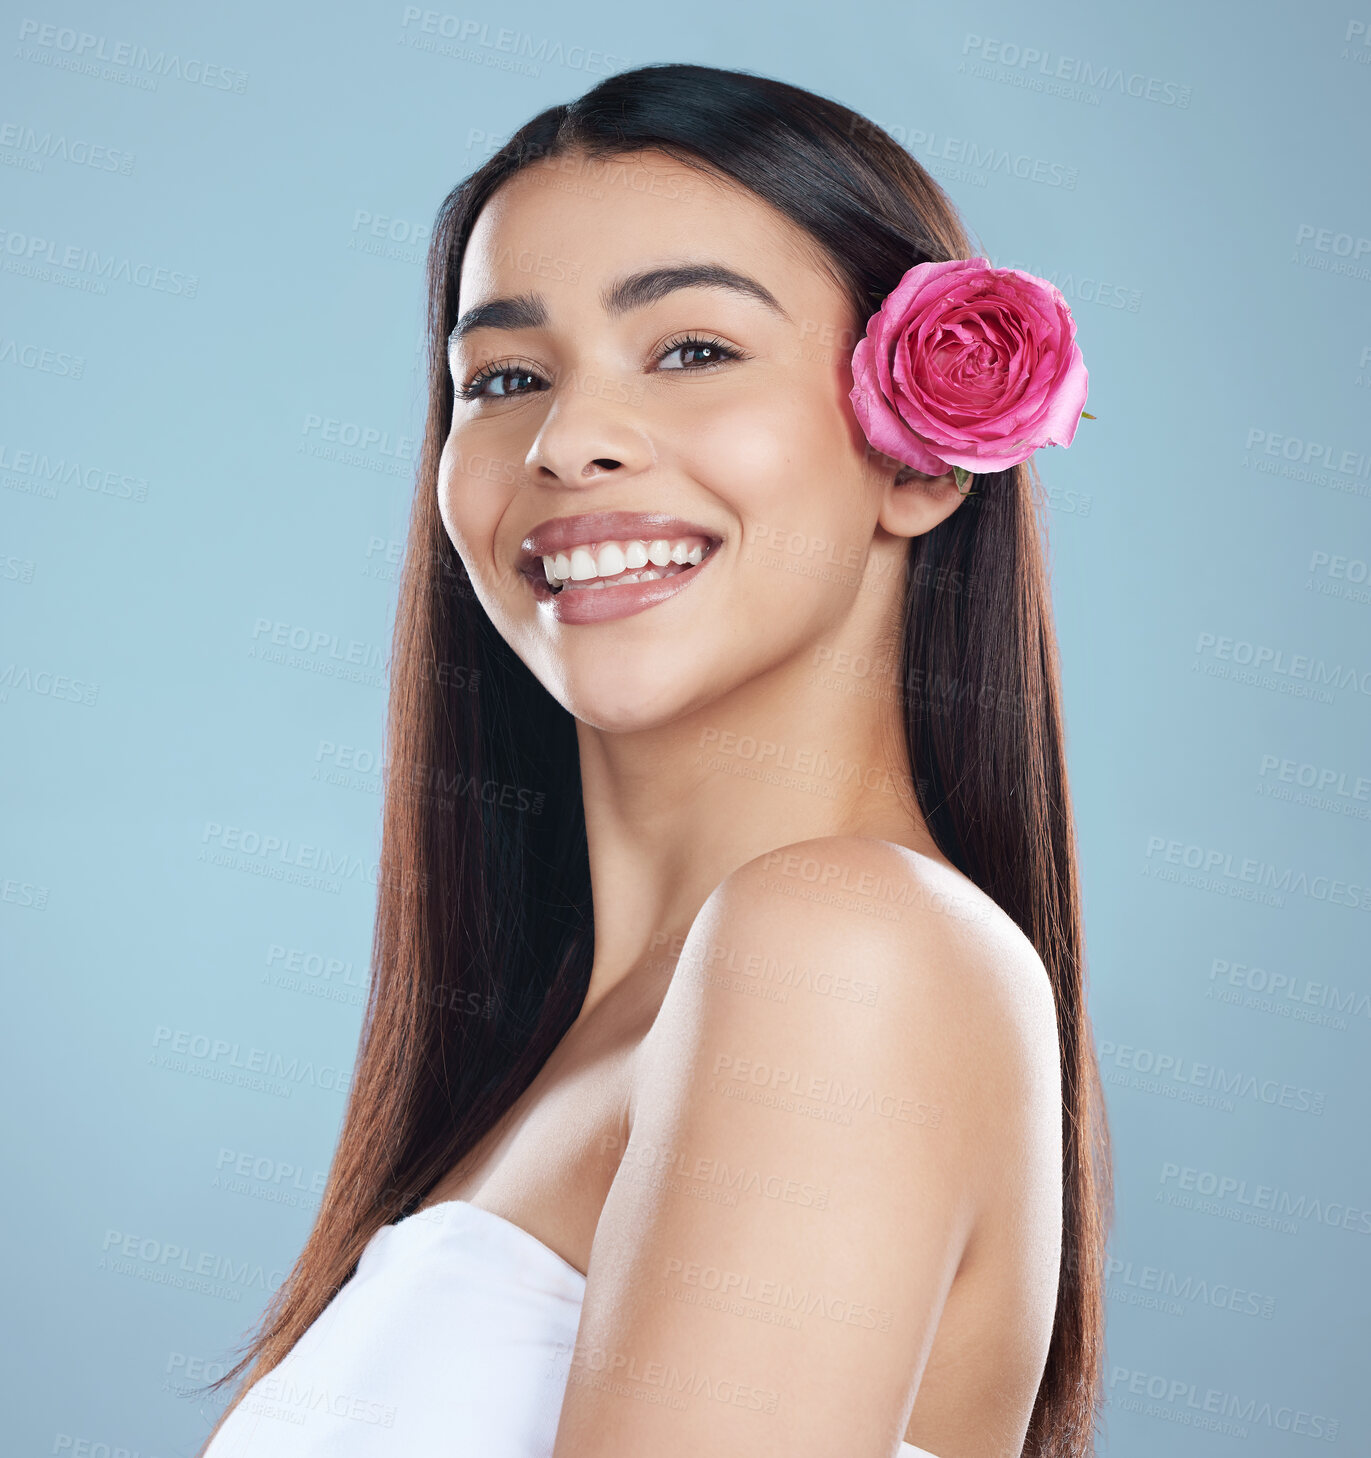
(588, 433)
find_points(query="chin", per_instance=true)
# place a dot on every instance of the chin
(625, 703)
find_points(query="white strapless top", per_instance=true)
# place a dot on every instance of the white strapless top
(453, 1339)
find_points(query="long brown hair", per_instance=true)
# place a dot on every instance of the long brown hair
(484, 928)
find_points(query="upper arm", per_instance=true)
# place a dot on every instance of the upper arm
(838, 1068)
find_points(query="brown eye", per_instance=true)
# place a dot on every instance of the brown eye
(703, 352)
(507, 379)
(516, 382)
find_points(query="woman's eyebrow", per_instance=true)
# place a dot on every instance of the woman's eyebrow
(633, 291)
(638, 289)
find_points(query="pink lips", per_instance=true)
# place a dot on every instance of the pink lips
(604, 604)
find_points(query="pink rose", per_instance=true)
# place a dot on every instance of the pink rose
(968, 365)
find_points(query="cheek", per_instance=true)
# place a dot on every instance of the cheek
(474, 488)
(742, 448)
(781, 457)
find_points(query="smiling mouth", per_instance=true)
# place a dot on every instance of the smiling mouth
(598, 565)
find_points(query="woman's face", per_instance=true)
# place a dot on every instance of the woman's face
(720, 411)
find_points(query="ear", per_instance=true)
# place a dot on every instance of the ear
(913, 503)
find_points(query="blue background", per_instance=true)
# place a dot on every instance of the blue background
(186, 467)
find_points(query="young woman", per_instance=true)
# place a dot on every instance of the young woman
(726, 1084)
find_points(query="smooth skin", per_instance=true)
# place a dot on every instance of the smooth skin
(844, 1012)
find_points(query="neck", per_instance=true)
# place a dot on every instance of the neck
(812, 748)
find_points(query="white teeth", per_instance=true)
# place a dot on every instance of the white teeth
(624, 562)
(650, 574)
(609, 560)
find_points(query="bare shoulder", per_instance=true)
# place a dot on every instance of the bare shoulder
(867, 955)
(901, 897)
(903, 931)
(854, 1048)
